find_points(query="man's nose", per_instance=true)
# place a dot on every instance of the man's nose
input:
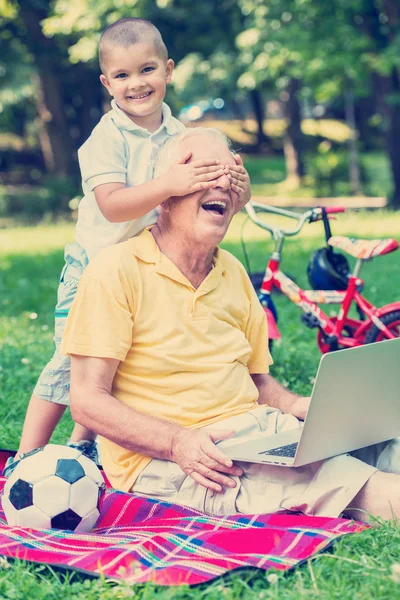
(223, 182)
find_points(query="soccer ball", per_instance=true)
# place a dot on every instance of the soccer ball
(54, 487)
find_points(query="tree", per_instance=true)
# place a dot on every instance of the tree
(294, 140)
(333, 47)
(214, 53)
(379, 22)
(286, 48)
(369, 48)
(270, 53)
(17, 109)
(45, 62)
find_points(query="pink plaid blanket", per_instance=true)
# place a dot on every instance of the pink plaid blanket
(139, 540)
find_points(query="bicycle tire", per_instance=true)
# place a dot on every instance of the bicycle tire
(390, 319)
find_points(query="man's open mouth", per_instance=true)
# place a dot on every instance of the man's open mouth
(140, 96)
(215, 207)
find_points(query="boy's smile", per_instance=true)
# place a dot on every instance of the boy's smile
(137, 78)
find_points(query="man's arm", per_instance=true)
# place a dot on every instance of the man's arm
(273, 394)
(94, 406)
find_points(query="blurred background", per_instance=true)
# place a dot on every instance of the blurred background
(308, 90)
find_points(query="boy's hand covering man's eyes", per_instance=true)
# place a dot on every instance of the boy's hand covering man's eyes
(240, 180)
(185, 178)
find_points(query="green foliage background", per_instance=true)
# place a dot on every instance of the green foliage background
(300, 55)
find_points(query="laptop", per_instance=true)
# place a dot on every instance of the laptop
(355, 402)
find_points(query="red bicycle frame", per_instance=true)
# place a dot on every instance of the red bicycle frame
(340, 331)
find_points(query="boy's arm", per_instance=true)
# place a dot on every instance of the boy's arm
(119, 203)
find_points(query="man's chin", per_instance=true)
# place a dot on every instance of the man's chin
(215, 231)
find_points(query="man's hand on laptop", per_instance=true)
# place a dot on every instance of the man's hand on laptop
(198, 456)
(300, 407)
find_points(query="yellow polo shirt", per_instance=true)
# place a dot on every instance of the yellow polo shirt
(186, 354)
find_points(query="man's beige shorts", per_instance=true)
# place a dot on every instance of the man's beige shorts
(324, 488)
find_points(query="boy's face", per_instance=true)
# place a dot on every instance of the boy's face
(137, 78)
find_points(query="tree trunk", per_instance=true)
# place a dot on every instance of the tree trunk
(386, 88)
(392, 102)
(393, 137)
(354, 157)
(237, 110)
(365, 109)
(59, 149)
(259, 115)
(44, 117)
(91, 92)
(294, 140)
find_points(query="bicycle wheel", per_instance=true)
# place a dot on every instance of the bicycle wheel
(348, 330)
(392, 322)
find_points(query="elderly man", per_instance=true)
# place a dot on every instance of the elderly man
(170, 355)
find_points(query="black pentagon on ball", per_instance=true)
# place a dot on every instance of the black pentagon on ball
(69, 469)
(21, 494)
(67, 520)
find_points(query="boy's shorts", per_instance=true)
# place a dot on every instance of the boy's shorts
(54, 381)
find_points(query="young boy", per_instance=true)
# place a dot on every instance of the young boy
(120, 195)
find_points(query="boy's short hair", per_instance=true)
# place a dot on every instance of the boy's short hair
(127, 32)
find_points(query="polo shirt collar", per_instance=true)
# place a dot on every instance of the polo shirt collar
(146, 249)
(122, 121)
(167, 121)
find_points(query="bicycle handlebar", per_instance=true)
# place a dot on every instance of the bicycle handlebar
(313, 214)
(330, 210)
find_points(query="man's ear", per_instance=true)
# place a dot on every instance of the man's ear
(169, 69)
(105, 82)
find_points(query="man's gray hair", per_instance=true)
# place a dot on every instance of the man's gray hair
(170, 152)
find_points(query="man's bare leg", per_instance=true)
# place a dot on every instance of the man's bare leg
(40, 421)
(379, 497)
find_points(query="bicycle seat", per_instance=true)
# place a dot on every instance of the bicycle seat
(363, 249)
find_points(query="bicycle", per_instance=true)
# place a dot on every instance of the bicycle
(341, 331)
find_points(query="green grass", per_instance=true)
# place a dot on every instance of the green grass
(358, 567)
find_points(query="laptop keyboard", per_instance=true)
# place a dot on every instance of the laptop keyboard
(289, 450)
